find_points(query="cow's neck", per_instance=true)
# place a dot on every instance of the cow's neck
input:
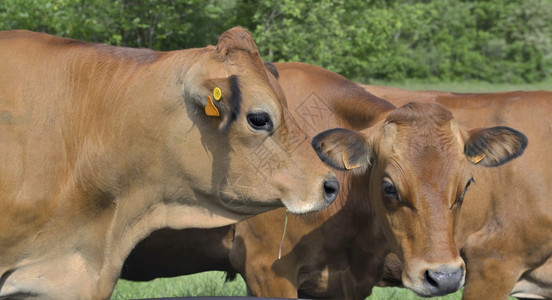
(119, 161)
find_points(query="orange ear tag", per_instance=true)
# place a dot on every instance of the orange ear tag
(210, 108)
(476, 159)
(217, 93)
(346, 162)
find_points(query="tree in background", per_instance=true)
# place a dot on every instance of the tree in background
(308, 31)
(86, 20)
(491, 40)
(156, 24)
(496, 41)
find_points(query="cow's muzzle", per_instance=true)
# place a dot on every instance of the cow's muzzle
(444, 280)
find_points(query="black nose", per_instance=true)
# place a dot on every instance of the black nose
(331, 187)
(443, 282)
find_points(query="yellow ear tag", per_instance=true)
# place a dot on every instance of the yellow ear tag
(346, 162)
(217, 93)
(476, 159)
(210, 108)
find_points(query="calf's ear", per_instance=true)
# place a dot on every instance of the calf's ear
(494, 146)
(342, 149)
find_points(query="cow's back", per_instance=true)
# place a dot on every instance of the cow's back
(521, 188)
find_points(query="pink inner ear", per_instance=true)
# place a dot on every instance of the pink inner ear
(346, 161)
(341, 148)
(476, 159)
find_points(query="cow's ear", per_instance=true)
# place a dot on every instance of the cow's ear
(342, 149)
(222, 99)
(494, 146)
(270, 67)
(237, 38)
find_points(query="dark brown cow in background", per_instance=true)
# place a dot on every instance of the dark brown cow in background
(323, 254)
(169, 253)
(314, 276)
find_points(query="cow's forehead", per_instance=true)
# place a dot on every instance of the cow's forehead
(416, 112)
(257, 82)
(426, 175)
(258, 89)
(414, 127)
(422, 140)
(247, 64)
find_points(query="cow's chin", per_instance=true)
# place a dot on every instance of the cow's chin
(301, 206)
(421, 289)
(248, 206)
(417, 287)
(252, 207)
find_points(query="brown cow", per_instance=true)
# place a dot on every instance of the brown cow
(101, 145)
(326, 255)
(500, 242)
(520, 109)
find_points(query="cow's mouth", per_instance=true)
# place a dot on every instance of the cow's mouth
(247, 205)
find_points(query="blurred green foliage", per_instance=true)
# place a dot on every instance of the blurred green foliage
(435, 40)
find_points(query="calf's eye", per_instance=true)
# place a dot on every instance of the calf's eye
(389, 190)
(460, 199)
(260, 121)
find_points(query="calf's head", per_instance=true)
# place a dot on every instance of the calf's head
(420, 162)
(252, 155)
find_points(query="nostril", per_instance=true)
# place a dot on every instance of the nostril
(441, 283)
(331, 187)
(429, 278)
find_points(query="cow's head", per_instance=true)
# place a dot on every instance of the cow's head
(257, 156)
(420, 162)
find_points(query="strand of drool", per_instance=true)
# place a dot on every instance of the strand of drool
(283, 236)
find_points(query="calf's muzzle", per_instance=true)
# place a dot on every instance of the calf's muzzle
(444, 280)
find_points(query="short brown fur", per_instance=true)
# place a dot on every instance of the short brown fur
(102, 145)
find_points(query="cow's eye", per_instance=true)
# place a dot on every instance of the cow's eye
(389, 190)
(460, 199)
(260, 121)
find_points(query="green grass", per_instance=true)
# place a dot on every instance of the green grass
(389, 293)
(213, 283)
(201, 284)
